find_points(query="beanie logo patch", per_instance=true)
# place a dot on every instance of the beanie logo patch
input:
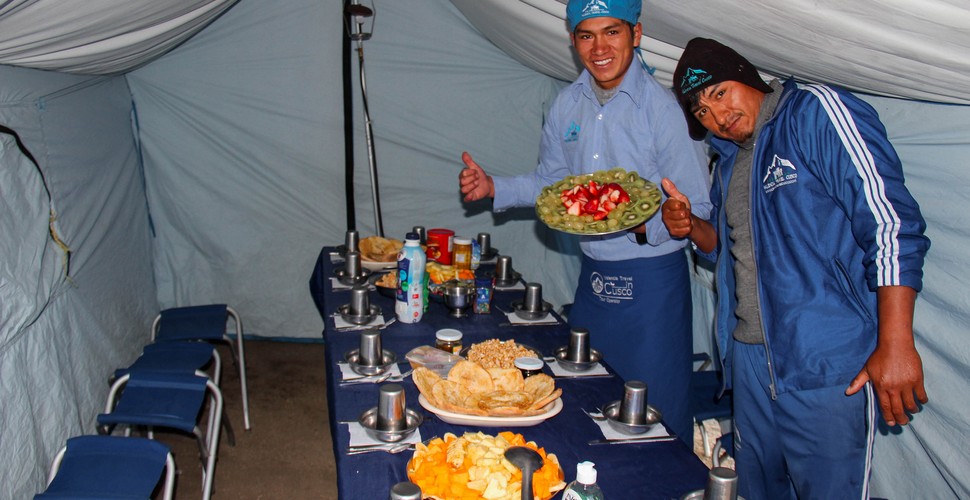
(595, 8)
(693, 78)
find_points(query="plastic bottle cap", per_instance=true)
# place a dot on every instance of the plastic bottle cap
(412, 236)
(462, 241)
(528, 363)
(448, 334)
(586, 473)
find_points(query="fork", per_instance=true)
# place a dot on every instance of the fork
(595, 415)
(377, 380)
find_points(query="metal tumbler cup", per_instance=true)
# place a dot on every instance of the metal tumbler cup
(421, 232)
(390, 408)
(532, 302)
(352, 266)
(578, 349)
(503, 268)
(359, 301)
(633, 408)
(722, 484)
(484, 243)
(371, 352)
(352, 241)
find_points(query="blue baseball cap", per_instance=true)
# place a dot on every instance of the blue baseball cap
(579, 10)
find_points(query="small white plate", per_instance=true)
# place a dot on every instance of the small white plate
(378, 266)
(461, 419)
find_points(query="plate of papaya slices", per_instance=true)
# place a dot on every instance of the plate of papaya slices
(599, 203)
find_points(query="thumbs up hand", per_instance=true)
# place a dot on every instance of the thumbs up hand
(676, 211)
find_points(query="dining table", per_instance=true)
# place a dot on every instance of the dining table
(663, 469)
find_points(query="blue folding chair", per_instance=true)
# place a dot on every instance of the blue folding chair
(100, 467)
(181, 357)
(206, 323)
(171, 401)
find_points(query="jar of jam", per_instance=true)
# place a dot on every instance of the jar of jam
(462, 253)
(448, 339)
(529, 366)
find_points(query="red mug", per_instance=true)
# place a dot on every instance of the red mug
(439, 245)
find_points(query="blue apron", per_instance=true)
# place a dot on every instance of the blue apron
(638, 313)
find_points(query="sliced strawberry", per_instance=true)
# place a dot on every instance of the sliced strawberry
(608, 206)
(574, 209)
(591, 206)
(593, 188)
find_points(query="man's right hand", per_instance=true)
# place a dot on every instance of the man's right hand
(474, 182)
(676, 211)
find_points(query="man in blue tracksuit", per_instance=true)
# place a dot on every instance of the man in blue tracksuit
(820, 250)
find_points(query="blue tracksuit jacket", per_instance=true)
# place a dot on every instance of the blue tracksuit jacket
(831, 222)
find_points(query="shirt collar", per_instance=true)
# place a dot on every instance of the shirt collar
(631, 86)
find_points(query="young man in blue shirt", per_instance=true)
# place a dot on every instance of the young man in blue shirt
(634, 289)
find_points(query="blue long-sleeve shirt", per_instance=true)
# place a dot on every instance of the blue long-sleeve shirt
(641, 128)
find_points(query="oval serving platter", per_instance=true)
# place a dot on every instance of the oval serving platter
(645, 198)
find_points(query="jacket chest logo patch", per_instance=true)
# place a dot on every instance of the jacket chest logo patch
(780, 172)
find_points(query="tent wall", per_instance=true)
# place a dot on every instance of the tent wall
(240, 135)
(60, 334)
(242, 138)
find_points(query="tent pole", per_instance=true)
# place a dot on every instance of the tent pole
(348, 130)
(371, 154)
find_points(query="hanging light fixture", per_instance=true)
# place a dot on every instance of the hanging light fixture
(359, 20)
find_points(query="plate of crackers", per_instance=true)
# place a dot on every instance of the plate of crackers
(492, 397)
(377, 253)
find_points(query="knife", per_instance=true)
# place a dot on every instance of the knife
(655, 439)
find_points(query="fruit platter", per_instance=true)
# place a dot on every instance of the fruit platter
(472, 466)
(603, 202)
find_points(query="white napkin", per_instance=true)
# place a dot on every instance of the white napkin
(358, 436)
(516, 320)
(348, 373)
(340, 323)
(518, 285)
(559, 371)
(337, 286)
(609, 433)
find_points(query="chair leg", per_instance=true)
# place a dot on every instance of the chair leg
(241, 364)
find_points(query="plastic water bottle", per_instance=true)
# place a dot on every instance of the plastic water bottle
(584, 487)
(409, 301)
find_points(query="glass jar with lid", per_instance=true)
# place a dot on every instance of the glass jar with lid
(529, 366)
(448, 339)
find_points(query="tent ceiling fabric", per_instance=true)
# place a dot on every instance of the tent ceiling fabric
(898, 48)
(98, 37)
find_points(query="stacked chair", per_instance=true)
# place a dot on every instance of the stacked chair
(206, 323)
(110, 467)
(172, 386)
(168, 400)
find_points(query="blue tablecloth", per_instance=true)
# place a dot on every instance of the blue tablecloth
(661, 470)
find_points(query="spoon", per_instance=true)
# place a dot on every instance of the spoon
(528, 461)
(398, 448)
